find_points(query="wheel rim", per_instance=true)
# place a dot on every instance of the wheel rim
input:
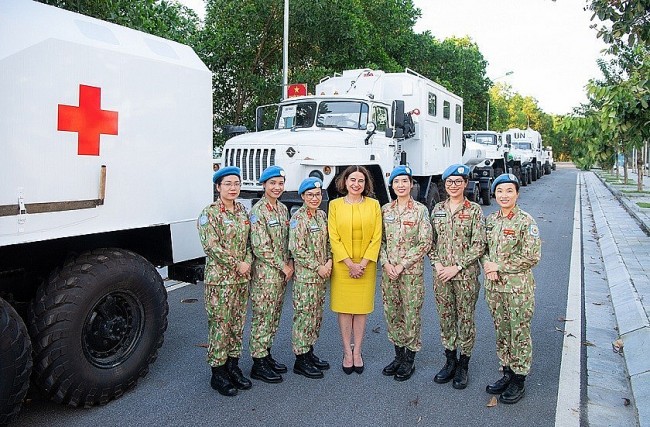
(112, 329)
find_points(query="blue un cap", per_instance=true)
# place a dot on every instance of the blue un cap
(228, 170)
(398, 171)
(456, 170)
(505, 178)
(308, 184)
(271, 172)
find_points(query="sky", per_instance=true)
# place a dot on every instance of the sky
(547, 44)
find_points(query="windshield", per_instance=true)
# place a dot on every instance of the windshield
(486, 139)
(522, 145)
(342, 114)
(300, 115)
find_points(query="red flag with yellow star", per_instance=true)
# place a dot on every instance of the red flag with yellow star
(297, 89)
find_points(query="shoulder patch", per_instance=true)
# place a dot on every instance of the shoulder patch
(203, 219)
(254, 219)
(293, 223)
(533, 230)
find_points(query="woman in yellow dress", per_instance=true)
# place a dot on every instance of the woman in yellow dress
(354, 224)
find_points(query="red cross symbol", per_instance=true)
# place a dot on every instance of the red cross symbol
(88, 119)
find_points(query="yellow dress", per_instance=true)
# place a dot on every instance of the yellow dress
(355, 233)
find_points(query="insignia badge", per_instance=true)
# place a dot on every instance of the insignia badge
(203, 219)
(533, 230)
(508, 232)
(317, 184)
(227, 221)
(440, 214)
(254, 219)
(274, 223)
(463, 216)
(293, 223)
(460, 169)
(409, 223)
(389, 219)
(314, 228)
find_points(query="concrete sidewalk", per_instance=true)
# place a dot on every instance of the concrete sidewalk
(616, 303)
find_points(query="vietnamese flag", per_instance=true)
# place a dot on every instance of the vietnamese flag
(297, 89)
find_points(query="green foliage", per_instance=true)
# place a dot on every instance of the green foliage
(162, 18)
(628, 22)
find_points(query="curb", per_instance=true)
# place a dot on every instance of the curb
(633, 325)
(629, 206)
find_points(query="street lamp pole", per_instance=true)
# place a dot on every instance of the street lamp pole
(487, 119)
(285, 51)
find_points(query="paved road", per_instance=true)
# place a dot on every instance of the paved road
(177, 390)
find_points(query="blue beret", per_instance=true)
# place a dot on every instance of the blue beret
(271, 172)
(505, 178)
(399, 170)
(228, 170)
(308, 184)
(455, 170)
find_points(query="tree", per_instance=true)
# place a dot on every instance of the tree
(162, 18)
(629, 22)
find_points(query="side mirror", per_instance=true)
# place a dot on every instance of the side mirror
(397, 111)
(259, 115)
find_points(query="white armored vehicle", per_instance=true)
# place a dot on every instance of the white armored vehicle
(495, 155)
(106, 139)
(360, 117)
(548, 164)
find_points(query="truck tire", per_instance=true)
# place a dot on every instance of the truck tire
(524, 177)
(485, 197)
(433, 196)
(534, 173)
(15, 362)
(97, 324)
(530, 176)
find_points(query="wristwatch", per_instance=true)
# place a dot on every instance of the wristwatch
(460, 267)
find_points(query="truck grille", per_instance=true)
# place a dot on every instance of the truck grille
(251, 161)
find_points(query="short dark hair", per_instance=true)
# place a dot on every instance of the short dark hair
(340, 181)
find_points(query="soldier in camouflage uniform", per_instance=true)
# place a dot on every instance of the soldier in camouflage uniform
(223, 229)
(310, 247)
(458, 242)
(513, 249)
(272, 269)
(406, 239)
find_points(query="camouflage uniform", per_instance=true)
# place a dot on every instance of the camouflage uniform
(406, 239)
(458, 239)
(309, 244)
(513, 243)
(269, 241)
(224, 236)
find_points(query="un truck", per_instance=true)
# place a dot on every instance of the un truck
(359, 117)
(525, 154)
(495, 162)
(106, 142)
(548, 164)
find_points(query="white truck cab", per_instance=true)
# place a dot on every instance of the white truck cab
(359, 117)
(525, 153)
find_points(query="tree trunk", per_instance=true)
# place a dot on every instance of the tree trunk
(616, 165)
(639, 173)
(625, 168)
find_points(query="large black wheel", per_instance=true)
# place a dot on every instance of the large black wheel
(530, 176)
(485, 197)
(533, 173)
(97, 324)
(15, 362)
(433, 196)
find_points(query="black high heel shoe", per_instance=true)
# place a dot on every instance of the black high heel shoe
(358, 369)
(347, 369)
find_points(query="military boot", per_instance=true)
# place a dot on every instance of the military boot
(304, 366)
(236, 376)
(278, 367)
(449, 370)
(220, 381)
(392, 367)
(501, 384)
(515, 390)
(460, 378)
(263, 371)
(321, 364)
(407, 367)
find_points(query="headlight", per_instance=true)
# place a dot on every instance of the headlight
(316, 174)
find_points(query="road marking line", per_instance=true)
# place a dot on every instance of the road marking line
(178, 285)
(567, 411)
